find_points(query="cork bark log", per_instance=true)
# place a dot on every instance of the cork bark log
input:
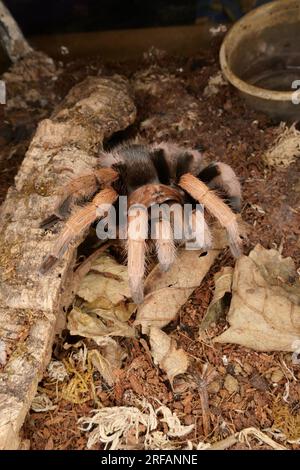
(30, 305)
(11, 36)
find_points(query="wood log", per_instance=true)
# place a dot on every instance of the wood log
(64, 146)
(11, 36)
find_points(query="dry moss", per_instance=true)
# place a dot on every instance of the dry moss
(41, 187)
(10, 252)
(286, 421)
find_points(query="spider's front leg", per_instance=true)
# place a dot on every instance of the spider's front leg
(164, 242)
(77, 190)
(79, 221)
(139, 202)
(137, 235)
(201, 193)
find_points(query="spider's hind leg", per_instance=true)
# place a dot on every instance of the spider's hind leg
(228, 219)
(221, 176)
(137, 234)
(198, 235)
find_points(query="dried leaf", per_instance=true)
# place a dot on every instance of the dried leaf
(108, 361)
(102, 365)
(107, 309)
(265, 309)
(165, 353)
(217, 307)
(91, 326)
(108, 280)
(286, 148)
(166, 292)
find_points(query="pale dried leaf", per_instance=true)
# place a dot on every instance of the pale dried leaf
(108, 279)
(217, 307)
(91, 326)
(286, 148)
(108, 361)
(165, 353)
(265, 308)
(114, 354)
(102, 365)
(107, 309)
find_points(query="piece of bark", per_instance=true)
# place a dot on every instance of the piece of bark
(63, 146)
(11, 36)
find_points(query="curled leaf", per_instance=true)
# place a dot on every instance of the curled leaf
(91, 326)
(106, 282)
(217, 307)
(265, 308)
(165, 353)
(106, 365)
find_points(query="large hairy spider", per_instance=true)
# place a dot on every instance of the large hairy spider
(162, 173)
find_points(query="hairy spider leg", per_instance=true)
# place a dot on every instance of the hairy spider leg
(79, 221)
(201, 193)
(77, 190)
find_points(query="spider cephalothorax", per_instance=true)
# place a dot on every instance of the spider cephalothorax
(147, 175)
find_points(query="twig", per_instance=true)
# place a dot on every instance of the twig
(205, 407)
(242, 436)
(202, 382)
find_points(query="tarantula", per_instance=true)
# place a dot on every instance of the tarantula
(162, 173)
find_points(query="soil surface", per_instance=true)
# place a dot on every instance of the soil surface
(248, 387)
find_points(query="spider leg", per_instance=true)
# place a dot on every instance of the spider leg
(201, 237)
(219, 175)
(137, 234)
(77, 224)
(77, 190)
(164, 242)
(140, 200)
(201, 193)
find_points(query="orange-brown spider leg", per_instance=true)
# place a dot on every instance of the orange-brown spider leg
(143, 197)
(81, 219)
(201, 236)
(137, 234)
(201, 193)
(164, 241)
